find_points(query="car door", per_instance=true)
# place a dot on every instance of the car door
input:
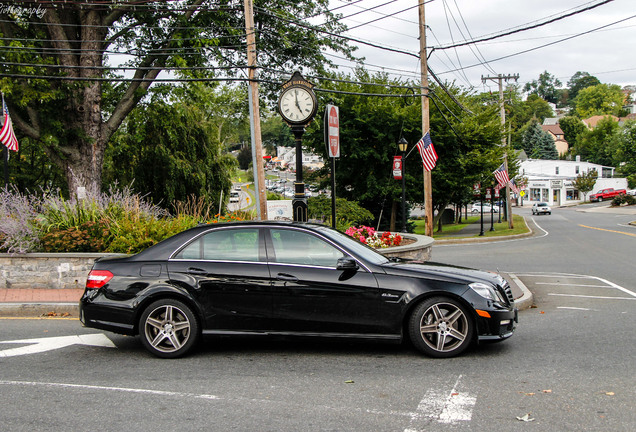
(228, 273)
(310, 295)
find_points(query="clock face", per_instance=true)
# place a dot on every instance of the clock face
(297, 105)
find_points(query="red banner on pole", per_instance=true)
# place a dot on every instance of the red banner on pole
(397, 167)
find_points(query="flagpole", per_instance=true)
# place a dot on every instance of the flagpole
(5, 154)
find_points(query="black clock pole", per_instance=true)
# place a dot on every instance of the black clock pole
(299, 203)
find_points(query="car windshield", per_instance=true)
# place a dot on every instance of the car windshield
(360, 249)
(542, 205)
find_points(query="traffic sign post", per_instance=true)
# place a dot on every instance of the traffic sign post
(332, 142)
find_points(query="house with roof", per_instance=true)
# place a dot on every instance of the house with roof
(558, 136)
(552, 181)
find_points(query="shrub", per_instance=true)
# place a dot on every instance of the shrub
(87, 237)
(319, 208)
(19, 232)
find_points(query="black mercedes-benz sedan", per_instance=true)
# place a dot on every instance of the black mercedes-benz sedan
(291, 279)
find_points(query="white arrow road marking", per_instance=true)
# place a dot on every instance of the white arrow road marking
(51, 343)
(446, 408)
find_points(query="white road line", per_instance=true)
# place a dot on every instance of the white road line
(108, 388)
(574, 285)
(445, 408)
(592, 297)
(575, 308)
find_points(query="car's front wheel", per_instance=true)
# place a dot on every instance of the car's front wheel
(441, 327)
(168, 328)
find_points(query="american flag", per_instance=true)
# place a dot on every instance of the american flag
(501, 175)
(513, 186)
(7, 136)
(427, 151)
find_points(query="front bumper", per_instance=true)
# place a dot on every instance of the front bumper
(501, 325)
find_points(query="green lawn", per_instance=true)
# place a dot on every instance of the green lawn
(454, 230)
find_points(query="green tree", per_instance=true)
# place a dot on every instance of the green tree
(520, 113)
(537, 143)
(601, 99)
(63, 96)
(627, 153)
(585, 182)
(578, 82)
(370, 128)
(601, 144)
(572, 128)
(170, 152)
(546, 87)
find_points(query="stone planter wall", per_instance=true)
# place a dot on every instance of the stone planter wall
(420, 250)
(46, 270)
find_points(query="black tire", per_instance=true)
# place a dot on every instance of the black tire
(168, 328)
(441, 327)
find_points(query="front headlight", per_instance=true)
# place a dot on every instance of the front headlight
(485, 290)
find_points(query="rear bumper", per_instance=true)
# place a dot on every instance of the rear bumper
(95, 312)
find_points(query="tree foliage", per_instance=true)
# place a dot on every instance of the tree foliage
(537, 143)
(585, 182)
(171, 151)
(546, 87)
(600, 145)
(370, 127)
(601, 99)
(578, 82)
(63, 97)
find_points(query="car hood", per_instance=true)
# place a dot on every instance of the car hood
(447, 272)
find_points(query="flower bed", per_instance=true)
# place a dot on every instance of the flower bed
(369, 236)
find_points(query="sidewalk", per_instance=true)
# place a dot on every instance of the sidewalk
(39, 302)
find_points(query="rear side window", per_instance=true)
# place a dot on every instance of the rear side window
(223, 245)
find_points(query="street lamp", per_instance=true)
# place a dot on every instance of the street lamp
(402, 145)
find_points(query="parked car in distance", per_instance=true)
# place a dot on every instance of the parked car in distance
(631, 192)
(291, 279)
(604, 194)
(476, 208)
(541, 208)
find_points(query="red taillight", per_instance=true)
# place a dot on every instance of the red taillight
(98, 278)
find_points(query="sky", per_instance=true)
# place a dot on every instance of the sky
(606, 53)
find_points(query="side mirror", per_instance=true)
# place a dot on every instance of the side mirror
(347, 263)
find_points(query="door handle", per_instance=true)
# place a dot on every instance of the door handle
(286, 277)
(196, 271)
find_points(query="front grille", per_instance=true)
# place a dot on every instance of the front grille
(508, 291)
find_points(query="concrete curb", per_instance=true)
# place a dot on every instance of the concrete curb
(43, 309)
(527, 299)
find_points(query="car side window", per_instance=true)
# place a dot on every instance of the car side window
(223, 245)
(299, 247)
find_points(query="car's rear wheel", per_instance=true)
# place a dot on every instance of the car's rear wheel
(441, 327)
(168, 328)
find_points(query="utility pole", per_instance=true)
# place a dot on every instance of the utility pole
(428, 187)
(255, 117)
(502, 112)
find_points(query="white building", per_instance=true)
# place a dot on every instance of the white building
(551, 181)
(287, 158)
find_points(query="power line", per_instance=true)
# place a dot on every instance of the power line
(518, 30)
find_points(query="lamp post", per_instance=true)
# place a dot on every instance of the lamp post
(402, 145)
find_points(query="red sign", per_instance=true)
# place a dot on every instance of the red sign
(477, 189)
(488, 193)
(333, 131)
(397, 167)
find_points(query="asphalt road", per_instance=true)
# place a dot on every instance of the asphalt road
(569, 366)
